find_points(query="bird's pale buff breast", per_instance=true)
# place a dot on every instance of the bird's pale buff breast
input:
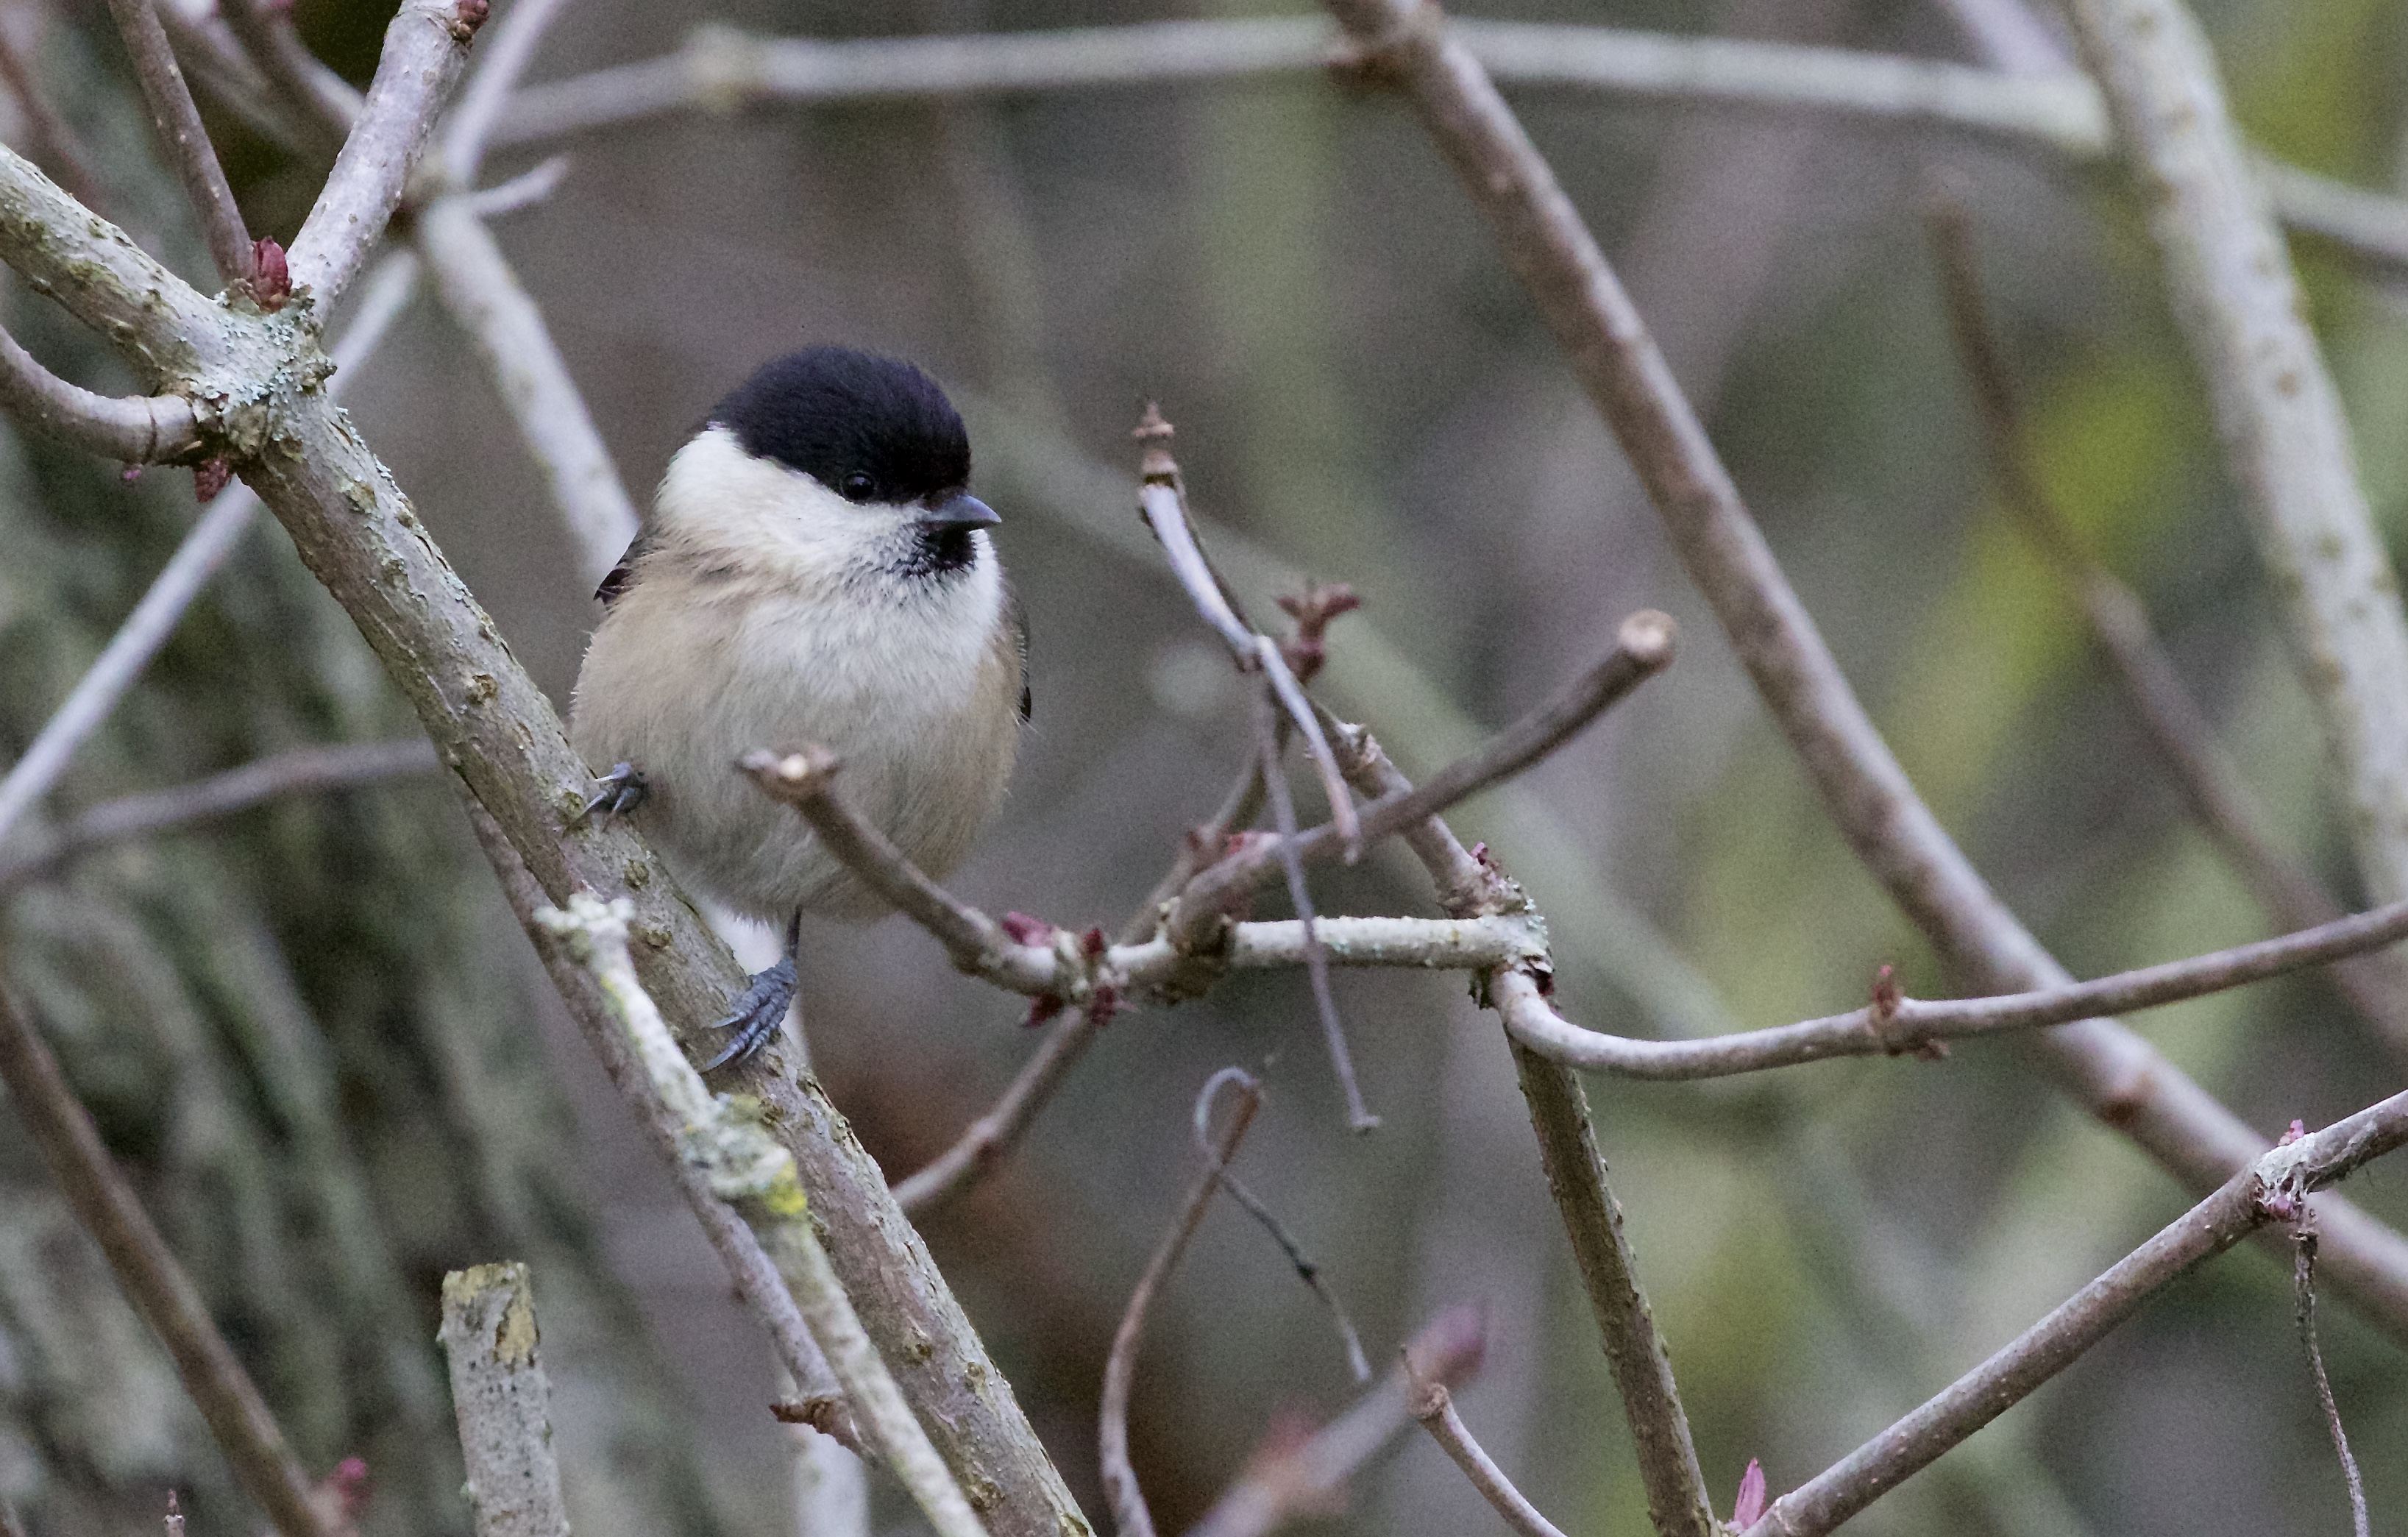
(919, 699)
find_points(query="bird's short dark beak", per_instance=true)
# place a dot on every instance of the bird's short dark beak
(959, 510)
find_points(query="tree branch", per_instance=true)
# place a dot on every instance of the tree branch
(186, 141)
(503, 1402)
(162, 607)
(426, 46)
(755, 1279)
(2275, 1186)
(153, 1282)
(1434, 1406)
(1301, 1479)
(1470, 885)
(747, 1169)
(136, 429)
(982, 1146)
(1899, 1026)
(1130, 1517)
(2277, 412)
(2112, 1073)
(303, 769)
(1643, 648)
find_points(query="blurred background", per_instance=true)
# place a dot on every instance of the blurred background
(317, 1038)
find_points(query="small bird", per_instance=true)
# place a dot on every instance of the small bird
(815, 570)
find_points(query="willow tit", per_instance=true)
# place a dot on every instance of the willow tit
(814, 571)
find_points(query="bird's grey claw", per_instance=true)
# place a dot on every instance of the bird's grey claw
(760, 1010)
(623, 791)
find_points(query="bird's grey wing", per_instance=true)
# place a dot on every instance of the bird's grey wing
(622, 576)
(1015, 619)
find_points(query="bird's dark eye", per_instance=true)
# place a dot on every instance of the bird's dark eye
(858, 487)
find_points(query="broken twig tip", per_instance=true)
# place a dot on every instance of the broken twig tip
(1648, 637)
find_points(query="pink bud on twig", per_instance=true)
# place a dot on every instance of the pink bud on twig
(209, 477)
(1025, 929)
(271, 281)
(1748, 1508)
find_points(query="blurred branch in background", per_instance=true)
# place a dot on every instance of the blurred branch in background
(721, 69)
(503, 1401)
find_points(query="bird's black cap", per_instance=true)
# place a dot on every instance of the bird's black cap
(835, 413)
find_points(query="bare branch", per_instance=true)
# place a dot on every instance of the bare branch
(1434, 1406)
(138, 429)
(523, 191)
(1164, 501)
(502, 323)
(2109, 1071)
(1299, 895)
(749, 1170)
(982, 1146)
(155, 1281)
(1643, 648)
(720, 68)
(2277, 412)
(1129, 1512)
(426, 46)
(1294, 1481)
(1904, 1025)
(490, 85)
(2303, 1281)
(754, 1276)
(1470, 886)
(303, 769)
(186, 143)
(320, 101)
(2275, 1186)
(128, 652)
(503, 1402)
(2172, 720)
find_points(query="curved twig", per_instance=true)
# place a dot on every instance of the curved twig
(138, 429)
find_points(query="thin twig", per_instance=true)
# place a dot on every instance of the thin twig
(298, 771)
(523, 191)
(1163, 499)
(1295, 1480)
(426, 46)
(1643, 648)
(2303, 1283)
(153, 1281)
(1255, 1207)
(503, 1402)
(2274, 1187)
(2277, 410)
(2172, 719)
(186, 141)
(983, 1143)
(1891, 1026)
(1316, 960)
(315, 97)
(95, 695)
(2109, 1071)
(752, 1173)
(138, 429)
(1434, 1406)
(1129, 1513)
